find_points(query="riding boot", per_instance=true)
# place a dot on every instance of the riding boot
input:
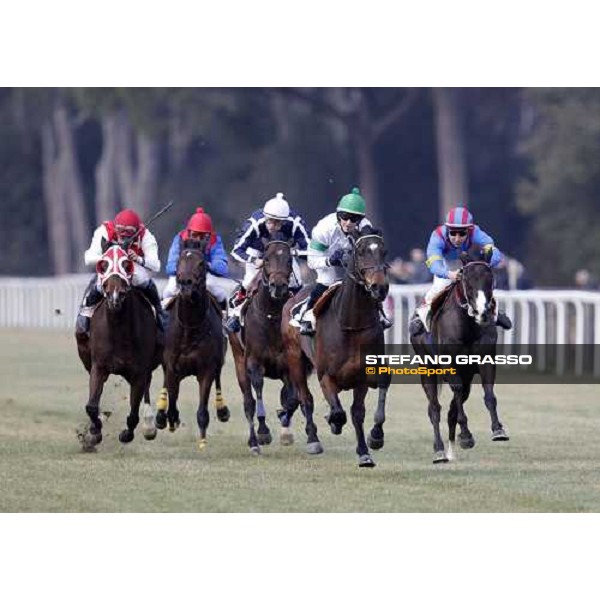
(151, 292)
(91, 297)
(418, 323)
(385, 322)
(307, 319)
(503, 320)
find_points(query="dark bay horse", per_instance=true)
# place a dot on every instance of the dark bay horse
(463, 324)
(124, 341)
(194, 344)
(263, 354)
(350, 320)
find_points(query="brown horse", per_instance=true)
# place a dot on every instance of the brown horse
(349, 320)
(194, 344)
(123, 340)
(262, 354)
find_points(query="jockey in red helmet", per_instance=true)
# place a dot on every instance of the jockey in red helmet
(446, 244)
(200, 227)
(128, 231)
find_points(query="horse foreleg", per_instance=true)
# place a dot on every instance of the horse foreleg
(202, 415)
(461, 393)
(498, 432)
(257, 377)
(376, 437)
(289, 403)
(172, 383)
(136, 393)
(149, 417)
(434, 409)
(162, 404)
(358, 419)
(223, 413)
(93, 435)
(337, 416)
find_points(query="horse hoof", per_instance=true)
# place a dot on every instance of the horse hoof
(264, 439)
(336, 428)
(286, 438)
(160, 420)
(467, 443)
(500, 435)
(89, 441)
(374, 443)
(314, 448)
(174, 426)
(223, 414)
(366, 461)
(150, 434)
(284, 420)
(440, 457)
(126, 436)
(255, 450)
(202, 445)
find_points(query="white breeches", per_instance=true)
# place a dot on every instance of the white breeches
(219, 287)
(295, 277)
(439, 284)
(329, 275)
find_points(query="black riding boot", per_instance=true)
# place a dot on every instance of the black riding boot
(91, 297)
(151, 292)
(503, 320)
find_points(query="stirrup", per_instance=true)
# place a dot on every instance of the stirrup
(503, 320)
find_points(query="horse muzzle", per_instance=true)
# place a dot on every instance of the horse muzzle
(278, 291)
(379, 291)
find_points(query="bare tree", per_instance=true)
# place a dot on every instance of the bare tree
(451, 157)
(63, 192)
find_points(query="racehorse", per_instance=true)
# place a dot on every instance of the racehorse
(262, 354)
(463, 322)
(347, 319)
(123, 340)
(194, 343)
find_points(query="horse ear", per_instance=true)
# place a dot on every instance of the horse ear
(465, 259)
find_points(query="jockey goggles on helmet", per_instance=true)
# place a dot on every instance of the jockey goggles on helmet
(126, 231)
(346, 216)
(457, 233)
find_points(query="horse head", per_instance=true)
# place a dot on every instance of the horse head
(277, 267)
(367, 265)
(115, 271)
(191, 269)
(477, 282)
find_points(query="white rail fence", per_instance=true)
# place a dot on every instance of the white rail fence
(539, 316)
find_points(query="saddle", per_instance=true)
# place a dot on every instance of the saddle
(324, 301)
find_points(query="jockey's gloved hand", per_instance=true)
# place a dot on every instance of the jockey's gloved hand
(131, 255)
(335, 260)
(257, 262)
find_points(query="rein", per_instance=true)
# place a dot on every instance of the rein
(466, 305)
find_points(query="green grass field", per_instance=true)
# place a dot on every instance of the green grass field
(550, 464)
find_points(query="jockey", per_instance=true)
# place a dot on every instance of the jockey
(446, 244)
(128, 231)
(276, 217)
(199, 227)
(328, 245)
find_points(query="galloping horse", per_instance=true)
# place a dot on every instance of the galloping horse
(124, 341)
(263, 354)
(194, 342)
(347, 320)
(464, 323)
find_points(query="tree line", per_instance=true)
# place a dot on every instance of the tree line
(523, 160)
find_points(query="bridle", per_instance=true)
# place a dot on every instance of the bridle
(466, 305)
(264, 275)
(356, 273)
(195, 285)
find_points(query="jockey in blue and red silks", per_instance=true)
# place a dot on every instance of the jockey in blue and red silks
(200, 227)
(127, 231)
(446, 244)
